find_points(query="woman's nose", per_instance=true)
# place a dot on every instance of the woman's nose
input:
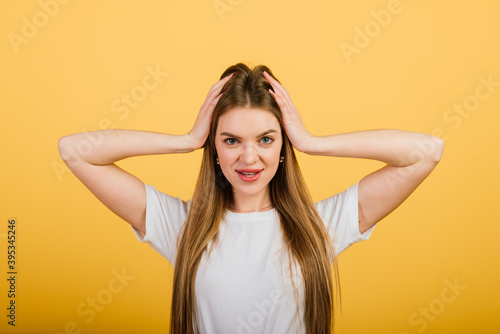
(249, 155)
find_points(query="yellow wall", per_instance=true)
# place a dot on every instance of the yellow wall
(67, 74)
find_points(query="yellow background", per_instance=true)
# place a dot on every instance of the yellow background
(429, 56)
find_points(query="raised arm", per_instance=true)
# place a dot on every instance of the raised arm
(91, 156)
(92, 162)
(410, 158)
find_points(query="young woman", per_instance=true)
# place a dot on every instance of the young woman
(252, 253)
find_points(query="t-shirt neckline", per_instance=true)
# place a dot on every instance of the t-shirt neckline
(246, 216)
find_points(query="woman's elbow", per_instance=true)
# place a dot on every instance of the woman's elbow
(64, 145)
(434, 147)
(427, 148)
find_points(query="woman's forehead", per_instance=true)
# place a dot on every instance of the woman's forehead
(247, 121)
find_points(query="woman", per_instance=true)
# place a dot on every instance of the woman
(252, 253)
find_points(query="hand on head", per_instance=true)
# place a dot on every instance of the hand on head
(292, 122)
(201, 127)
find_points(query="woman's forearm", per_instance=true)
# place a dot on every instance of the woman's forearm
(103, 147)
(394, 147)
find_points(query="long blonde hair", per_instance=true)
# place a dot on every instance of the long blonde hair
(305, 236)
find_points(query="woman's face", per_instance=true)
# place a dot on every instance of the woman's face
(248, 139)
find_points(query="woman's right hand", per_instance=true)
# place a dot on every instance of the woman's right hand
(201, 127)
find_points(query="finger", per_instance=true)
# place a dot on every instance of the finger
(274, 83)
(271, 80)
(275, 91)
(215, 90)
(277, 96)
(222, 81)
(279, 100)
(278, 88)
(205, 115)
(214, 101)
(209, 105)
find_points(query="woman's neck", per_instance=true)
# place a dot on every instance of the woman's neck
(247, 204)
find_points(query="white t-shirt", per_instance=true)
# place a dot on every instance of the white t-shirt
(243, 287)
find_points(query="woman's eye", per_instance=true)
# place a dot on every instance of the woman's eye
(268, 141)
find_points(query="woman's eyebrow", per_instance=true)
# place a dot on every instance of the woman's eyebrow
(235, 136)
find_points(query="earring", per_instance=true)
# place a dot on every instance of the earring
(282, 158)
(217, 161)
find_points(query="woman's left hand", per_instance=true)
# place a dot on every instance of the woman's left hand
(292, 122)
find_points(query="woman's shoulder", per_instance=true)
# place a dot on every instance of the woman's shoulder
(340, 199)
(162, 199)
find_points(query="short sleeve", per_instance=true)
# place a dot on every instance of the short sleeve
(165, 216)
(340, 216)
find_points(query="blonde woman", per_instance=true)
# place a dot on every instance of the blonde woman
(251, 251)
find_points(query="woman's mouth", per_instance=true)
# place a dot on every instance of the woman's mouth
(249, 175)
